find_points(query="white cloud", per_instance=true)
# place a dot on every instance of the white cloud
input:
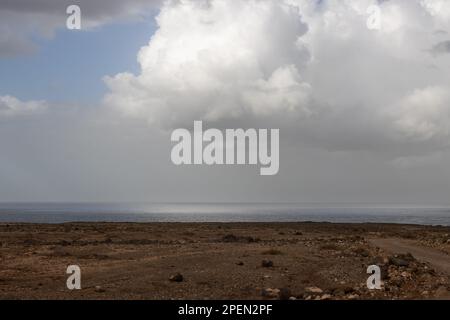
(346, 86)
(11, 106)
(216, 59)
(424, 114)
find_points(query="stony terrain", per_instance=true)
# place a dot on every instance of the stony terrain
(223, 261)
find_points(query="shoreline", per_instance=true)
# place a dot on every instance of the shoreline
(308, 260)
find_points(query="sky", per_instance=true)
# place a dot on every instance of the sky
(360, 90)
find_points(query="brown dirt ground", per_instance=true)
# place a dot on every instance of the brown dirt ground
(219, 261)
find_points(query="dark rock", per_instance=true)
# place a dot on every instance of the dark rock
(240, 263)
(267, 263)
(65, 243)
(284, 294)
(384, 272)
(233, 238)
(176, 277)
(362, 252)
(29, 242)
(270, 293)
(99, 289)
(251, 239)
(348, 290)
(230, 238)
(401, 260)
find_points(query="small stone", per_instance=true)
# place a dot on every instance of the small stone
(398, 262)
(267, 263)
(315, 290)
(176, 277)
(99, 289)
(270, 293)
(292, 298)
(325, 297)
(239, 263)
(65, 243)
(362, 252)
(352, 297)
(406, 274)
(230, 238)
(284, 294)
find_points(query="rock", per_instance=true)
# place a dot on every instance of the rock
(339, 293)
(325, 297)
(314, 290)
(267, 263)
(178, 277)
(398, 261)
(270, 293)
(361, 251)
(405, 274)
(233, 238)
(402, 260)
(65, 243)
(298, 233)
(99, 289)
(239, 263)
(352, 297)
(292, 298)
(384, 271)
(29, 242)
(348, 290)
(284, 294)
(230, 238)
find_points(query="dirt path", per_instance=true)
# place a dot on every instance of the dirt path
(439, 260)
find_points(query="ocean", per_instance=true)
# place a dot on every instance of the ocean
(221, 212)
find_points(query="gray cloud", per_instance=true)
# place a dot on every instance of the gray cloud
(22, 19)
(441, 47)
(362, 115)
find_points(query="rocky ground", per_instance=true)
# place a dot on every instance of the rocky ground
(224, 261)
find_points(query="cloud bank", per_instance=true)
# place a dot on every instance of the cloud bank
(313, 64)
